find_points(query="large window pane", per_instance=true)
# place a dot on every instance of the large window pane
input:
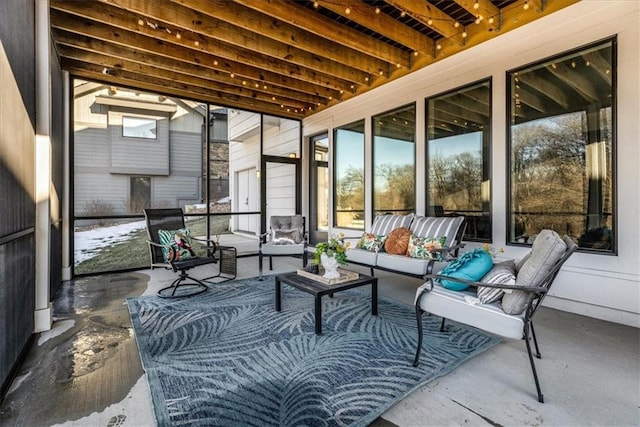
(561, 147)
(458, 157)
(349, 176)
(394, 161)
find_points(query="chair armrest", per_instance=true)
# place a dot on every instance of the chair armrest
(531, 289)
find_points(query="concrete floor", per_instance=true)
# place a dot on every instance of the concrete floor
(86, 371)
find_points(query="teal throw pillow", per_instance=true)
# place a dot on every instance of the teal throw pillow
(470, 266)
(176, 244)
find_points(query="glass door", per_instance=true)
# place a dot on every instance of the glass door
(319, 194)
(280, 185)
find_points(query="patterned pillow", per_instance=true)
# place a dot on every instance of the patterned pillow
(422, 247)
(397, 241)
(176, 244)
(371, 242)
(286, 237)
(503, 273)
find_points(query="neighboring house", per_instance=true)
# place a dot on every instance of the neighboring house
(134, 150)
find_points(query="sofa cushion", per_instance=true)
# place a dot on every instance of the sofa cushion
(362, 256)
(371, 242)
(459, 307)
(422, 247)
(502, 273)
(469, 266)
(385, 224)
(547, 249)
(447, 226)
(397, 241)
(403, 264)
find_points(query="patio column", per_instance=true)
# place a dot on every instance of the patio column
(43, 311)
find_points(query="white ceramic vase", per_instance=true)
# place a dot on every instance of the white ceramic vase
(330, 265)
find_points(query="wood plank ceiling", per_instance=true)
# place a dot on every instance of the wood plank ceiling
(281, 57)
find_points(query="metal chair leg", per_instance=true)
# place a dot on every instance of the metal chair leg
(533, 366)
(260, 266)
(442, 325)
(535, 341)
(419, 313)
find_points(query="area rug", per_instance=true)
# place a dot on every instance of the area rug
(226, 357)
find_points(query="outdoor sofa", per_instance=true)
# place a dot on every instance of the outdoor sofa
(410, 244)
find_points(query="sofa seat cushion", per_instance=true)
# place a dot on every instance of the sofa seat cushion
(275, 249)
(362, 256)
(403, 264)
(453, 305)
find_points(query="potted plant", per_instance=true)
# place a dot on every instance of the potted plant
(331, 254)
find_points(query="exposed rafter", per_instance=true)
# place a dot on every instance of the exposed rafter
(281, 57)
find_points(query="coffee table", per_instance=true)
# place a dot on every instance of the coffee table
(318, 289)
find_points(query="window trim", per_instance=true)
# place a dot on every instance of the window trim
(415, 159)
(124, 117)
(333, 173)
(614, 141)
(489, 80)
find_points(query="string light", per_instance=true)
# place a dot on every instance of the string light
(430, 21)
(476, 5)
(178, 35)
(315, 4)
(456, 24)
(140, 21)
(232, 75)
(491, 20)
(347, 10)
(403, 14)
(196, 43)
(464, 34)
(377, 11)
(526, 5)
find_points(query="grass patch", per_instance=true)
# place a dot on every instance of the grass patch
(133, 253)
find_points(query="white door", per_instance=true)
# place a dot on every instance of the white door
(247, 200)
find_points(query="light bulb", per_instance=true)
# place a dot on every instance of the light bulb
(377, 10)
(526, 5)
(476, 5)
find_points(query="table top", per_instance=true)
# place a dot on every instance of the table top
(318, 288)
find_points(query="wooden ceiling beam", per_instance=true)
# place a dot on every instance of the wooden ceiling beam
(283, 32)
(300, 17)
(125, 30)
(484, 8)
(215, 76)
(175, 17)
(429, 15)
(153, 84)
(366, 16)
(145, 68)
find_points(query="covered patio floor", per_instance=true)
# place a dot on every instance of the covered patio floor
(86, 370)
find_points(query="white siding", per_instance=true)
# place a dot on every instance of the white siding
(243, 124)
(185, 153)
(139, 155)
(602, 286)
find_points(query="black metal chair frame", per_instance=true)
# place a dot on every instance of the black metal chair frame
(173, 219)
(537, 295)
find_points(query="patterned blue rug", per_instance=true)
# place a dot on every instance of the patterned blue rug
(226, 357)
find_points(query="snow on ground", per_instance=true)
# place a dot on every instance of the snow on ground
(88, 244)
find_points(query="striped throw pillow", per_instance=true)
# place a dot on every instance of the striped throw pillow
(502, 273)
